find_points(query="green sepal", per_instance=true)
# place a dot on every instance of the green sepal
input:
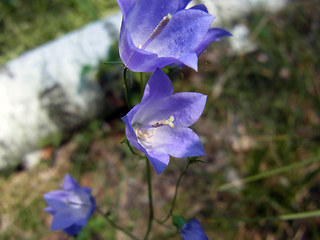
(178, 221)
(193, 160)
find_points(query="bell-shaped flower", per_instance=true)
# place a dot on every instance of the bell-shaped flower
(159, 125)
(192, 230)
(70, 207)
(156, 33)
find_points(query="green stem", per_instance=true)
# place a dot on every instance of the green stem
(163, 224)
(150, 200)
(112, 223)
(141, 85)
(126, 90)
(176, 192)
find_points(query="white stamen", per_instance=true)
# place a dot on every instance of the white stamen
(145, 133)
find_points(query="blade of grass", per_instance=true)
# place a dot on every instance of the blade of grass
(267, 174)
(302, 215)
(285, 217)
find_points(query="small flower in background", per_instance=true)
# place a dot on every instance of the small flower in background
(158, 126)
(158, 33)
(189, 229)
(70, 207)
(192, 230)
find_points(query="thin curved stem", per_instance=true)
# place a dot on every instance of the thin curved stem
(112, 223)
(163, 224)
(176, 192)
(150, 200)
(125, 84)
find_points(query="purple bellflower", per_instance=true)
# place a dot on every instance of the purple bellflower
(192, 230)
(157, 33)
(158, 126)
(70, 207)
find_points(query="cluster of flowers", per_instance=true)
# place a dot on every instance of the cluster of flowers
(72, 207)
(153, 34)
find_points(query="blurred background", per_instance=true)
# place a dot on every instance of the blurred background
(260, 127)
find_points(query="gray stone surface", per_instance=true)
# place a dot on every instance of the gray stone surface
(43, 90)
(227, 10)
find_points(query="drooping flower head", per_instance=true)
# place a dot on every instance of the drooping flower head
(189, 229)
(70, 207)
(192, 230)
(157, 33)
(159, 125)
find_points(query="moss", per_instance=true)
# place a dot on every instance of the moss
(27, 24)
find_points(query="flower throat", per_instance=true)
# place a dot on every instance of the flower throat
(145, 132)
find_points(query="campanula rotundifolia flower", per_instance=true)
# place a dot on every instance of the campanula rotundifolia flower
(159, 124)
(156, 33)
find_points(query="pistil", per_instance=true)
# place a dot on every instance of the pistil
(164, 122)
(80, 204)
(164, 22)
(145, 132)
